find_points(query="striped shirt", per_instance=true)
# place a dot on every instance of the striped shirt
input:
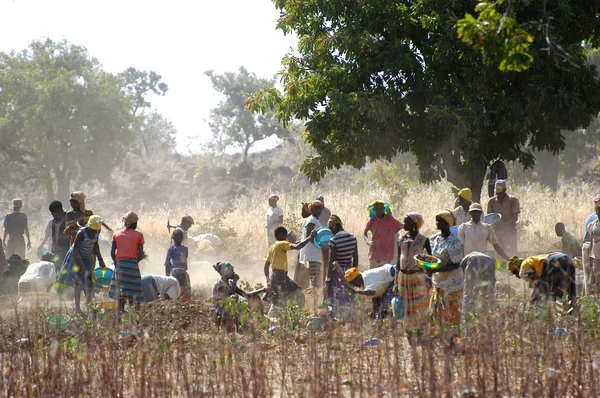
(344, 244)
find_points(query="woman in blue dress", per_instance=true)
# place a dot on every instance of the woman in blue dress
(77, 267)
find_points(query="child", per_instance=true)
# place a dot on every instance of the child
(225, 287)
(176, 263)
(277, 258)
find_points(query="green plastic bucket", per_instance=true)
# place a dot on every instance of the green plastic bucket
(59, 321)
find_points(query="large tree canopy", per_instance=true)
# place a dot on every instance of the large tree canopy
(378, 77)
(62, 118)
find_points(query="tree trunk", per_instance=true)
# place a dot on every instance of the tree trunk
(63, 181)
(473, 179)
(49, 190)
(246, 150)
(549, 166)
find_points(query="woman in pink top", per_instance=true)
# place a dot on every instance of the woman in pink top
(384, 228)
(127, 250)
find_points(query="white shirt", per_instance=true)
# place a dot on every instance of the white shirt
(167, 286)
(39, 276)
(214, 240)
(475, 237)
(461, 215)
(273, 213)
(379, 279)
(310, 252)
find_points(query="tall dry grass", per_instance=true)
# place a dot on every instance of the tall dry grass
(182, 353)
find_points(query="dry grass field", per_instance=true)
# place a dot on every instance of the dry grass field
(179, 352)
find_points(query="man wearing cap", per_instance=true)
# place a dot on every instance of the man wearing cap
(475, 234)
(384, 229)
(15, 226)
(508, 207)
(274, 219)
(326, 213)
(461, 213)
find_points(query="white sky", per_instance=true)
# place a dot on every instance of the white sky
(177, 39)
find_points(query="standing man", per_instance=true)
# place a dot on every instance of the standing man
(326, 213)
(461, 213)
(475, 234)
(382, 244)
(311, 255)
(15, 226)
(508, 207)
(570, 246)
(274, 219)
(59, 242)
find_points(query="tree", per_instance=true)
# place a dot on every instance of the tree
(231, 124)
(61, 116)
(155, 135)
(374, 78)
(139, 83)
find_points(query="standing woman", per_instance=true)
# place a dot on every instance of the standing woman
(127, 251)
(447, 277)
(78, 266)
(413, 286)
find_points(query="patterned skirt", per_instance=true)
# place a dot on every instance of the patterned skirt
(72, 275)
(127, 281)
(445, 310)
(414, 292)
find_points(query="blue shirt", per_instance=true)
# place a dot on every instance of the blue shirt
(590, 219)
(177, 256)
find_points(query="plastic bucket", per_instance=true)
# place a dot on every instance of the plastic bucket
(59, 321)
(102, 277)
(397, 307)
(323, 237)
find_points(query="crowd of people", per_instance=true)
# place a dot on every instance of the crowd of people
(443, 297)
(73, 238)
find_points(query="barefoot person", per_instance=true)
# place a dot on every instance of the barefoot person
(78, 267)
(127, 251)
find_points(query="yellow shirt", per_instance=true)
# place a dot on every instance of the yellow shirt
(277, 256)
(535, 263)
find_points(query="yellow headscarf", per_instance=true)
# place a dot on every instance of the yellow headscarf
(466, 194)
(514, 263)
(447, 216)
(95, 223)
(352, 274)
